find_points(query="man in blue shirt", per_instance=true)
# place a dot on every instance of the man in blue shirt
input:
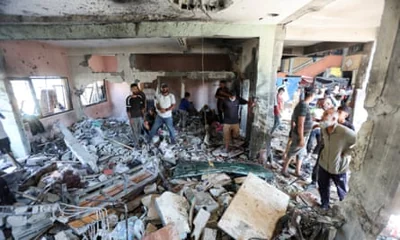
(184, 110)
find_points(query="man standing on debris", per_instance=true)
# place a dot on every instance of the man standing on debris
(135, 107)
(335, 157)
(230, 107)
(221, 95)
(5, 145)
(164, 103)
(301, 126)
(184, 110)
(278, 108)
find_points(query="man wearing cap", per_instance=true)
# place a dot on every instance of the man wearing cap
(135, 107)
(221, 95)
(301, 126)
(230, 107)
(164, 103)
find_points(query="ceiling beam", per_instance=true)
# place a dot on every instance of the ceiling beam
(326, 46)
(293, 51)
(313, 6)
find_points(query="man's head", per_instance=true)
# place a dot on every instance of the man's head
(329, 118)
(187, 95)
(281, 91)
(152, 111)
(222, 83)
(309, 94)
(343, 112)
(164, 89)
(232, 95)
(134, 88)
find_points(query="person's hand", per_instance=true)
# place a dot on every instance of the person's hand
(162, 110)
(301, 143)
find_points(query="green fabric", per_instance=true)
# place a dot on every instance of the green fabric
(192, 169)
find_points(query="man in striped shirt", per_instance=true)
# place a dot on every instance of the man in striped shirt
(135, 107)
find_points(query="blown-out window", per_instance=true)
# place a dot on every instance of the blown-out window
(94, 93)
(42, 96)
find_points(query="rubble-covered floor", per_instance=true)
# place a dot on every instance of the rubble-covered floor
(91, 182)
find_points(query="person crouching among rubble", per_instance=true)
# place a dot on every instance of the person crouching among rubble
(230, 108)
(149, 119)
(335, 157)
(135, 107)
(301, 126)
(164, 103)
(184, 110)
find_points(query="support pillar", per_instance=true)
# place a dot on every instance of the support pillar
(13, 123)
(269, 57)
(375, 181)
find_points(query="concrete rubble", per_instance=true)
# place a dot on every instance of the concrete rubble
(97, 183)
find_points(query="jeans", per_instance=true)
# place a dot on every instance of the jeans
(277, 123)
(324, 185)
(136, 128)
(159, 122)
(315, 133)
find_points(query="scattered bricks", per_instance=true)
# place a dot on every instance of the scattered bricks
(169, 232)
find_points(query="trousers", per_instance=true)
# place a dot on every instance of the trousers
(159, 122)
(324, 185)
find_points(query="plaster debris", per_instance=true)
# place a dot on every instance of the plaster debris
(169, 232)
(200, 222)
(173, 208)
(209, 234)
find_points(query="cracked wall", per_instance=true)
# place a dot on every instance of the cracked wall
(375, 179)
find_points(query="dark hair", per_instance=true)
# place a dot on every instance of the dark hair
(187, 94)
(134, 85)
(344, 108)
(222, 81)
(281, 89)
(309, 91)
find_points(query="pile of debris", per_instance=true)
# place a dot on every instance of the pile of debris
(101, 185)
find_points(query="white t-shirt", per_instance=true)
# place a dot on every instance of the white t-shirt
(3, 133)
(165, 102)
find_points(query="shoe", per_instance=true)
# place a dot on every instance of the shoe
(285, 174)
(301, 177)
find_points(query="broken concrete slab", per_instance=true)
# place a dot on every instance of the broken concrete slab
(192, 169)
(255, 210)
(209, 234)
(78, 149)
(173, 208)
(200, 221)
(216, 192)
(169, 232)
(205, 201)
(217, 179)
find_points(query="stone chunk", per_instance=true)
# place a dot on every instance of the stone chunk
(152, 188)
(149, 202)
(169, 232)
(65, 235)
(209, 234)
(200, 222)
(255, 210)
(173, 208)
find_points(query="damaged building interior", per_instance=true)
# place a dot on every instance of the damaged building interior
(130, 119)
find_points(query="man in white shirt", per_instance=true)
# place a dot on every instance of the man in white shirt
(164, 103)
(5, 145)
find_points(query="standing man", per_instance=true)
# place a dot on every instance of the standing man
(5, 145)
(164, 103)
(184, 110)
(278, 108)
(231, 118)
(335, 157)
(221, 95)
(135, 108)
(301, 126)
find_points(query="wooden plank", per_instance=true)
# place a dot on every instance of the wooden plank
(255, 210)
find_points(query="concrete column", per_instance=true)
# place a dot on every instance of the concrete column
(269, 57)
(13, 123)
(375, 178)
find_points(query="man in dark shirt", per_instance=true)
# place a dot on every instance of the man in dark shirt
(184, 110)
(230, 107)
(301, 126)
(221, 95)
(135, 107)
